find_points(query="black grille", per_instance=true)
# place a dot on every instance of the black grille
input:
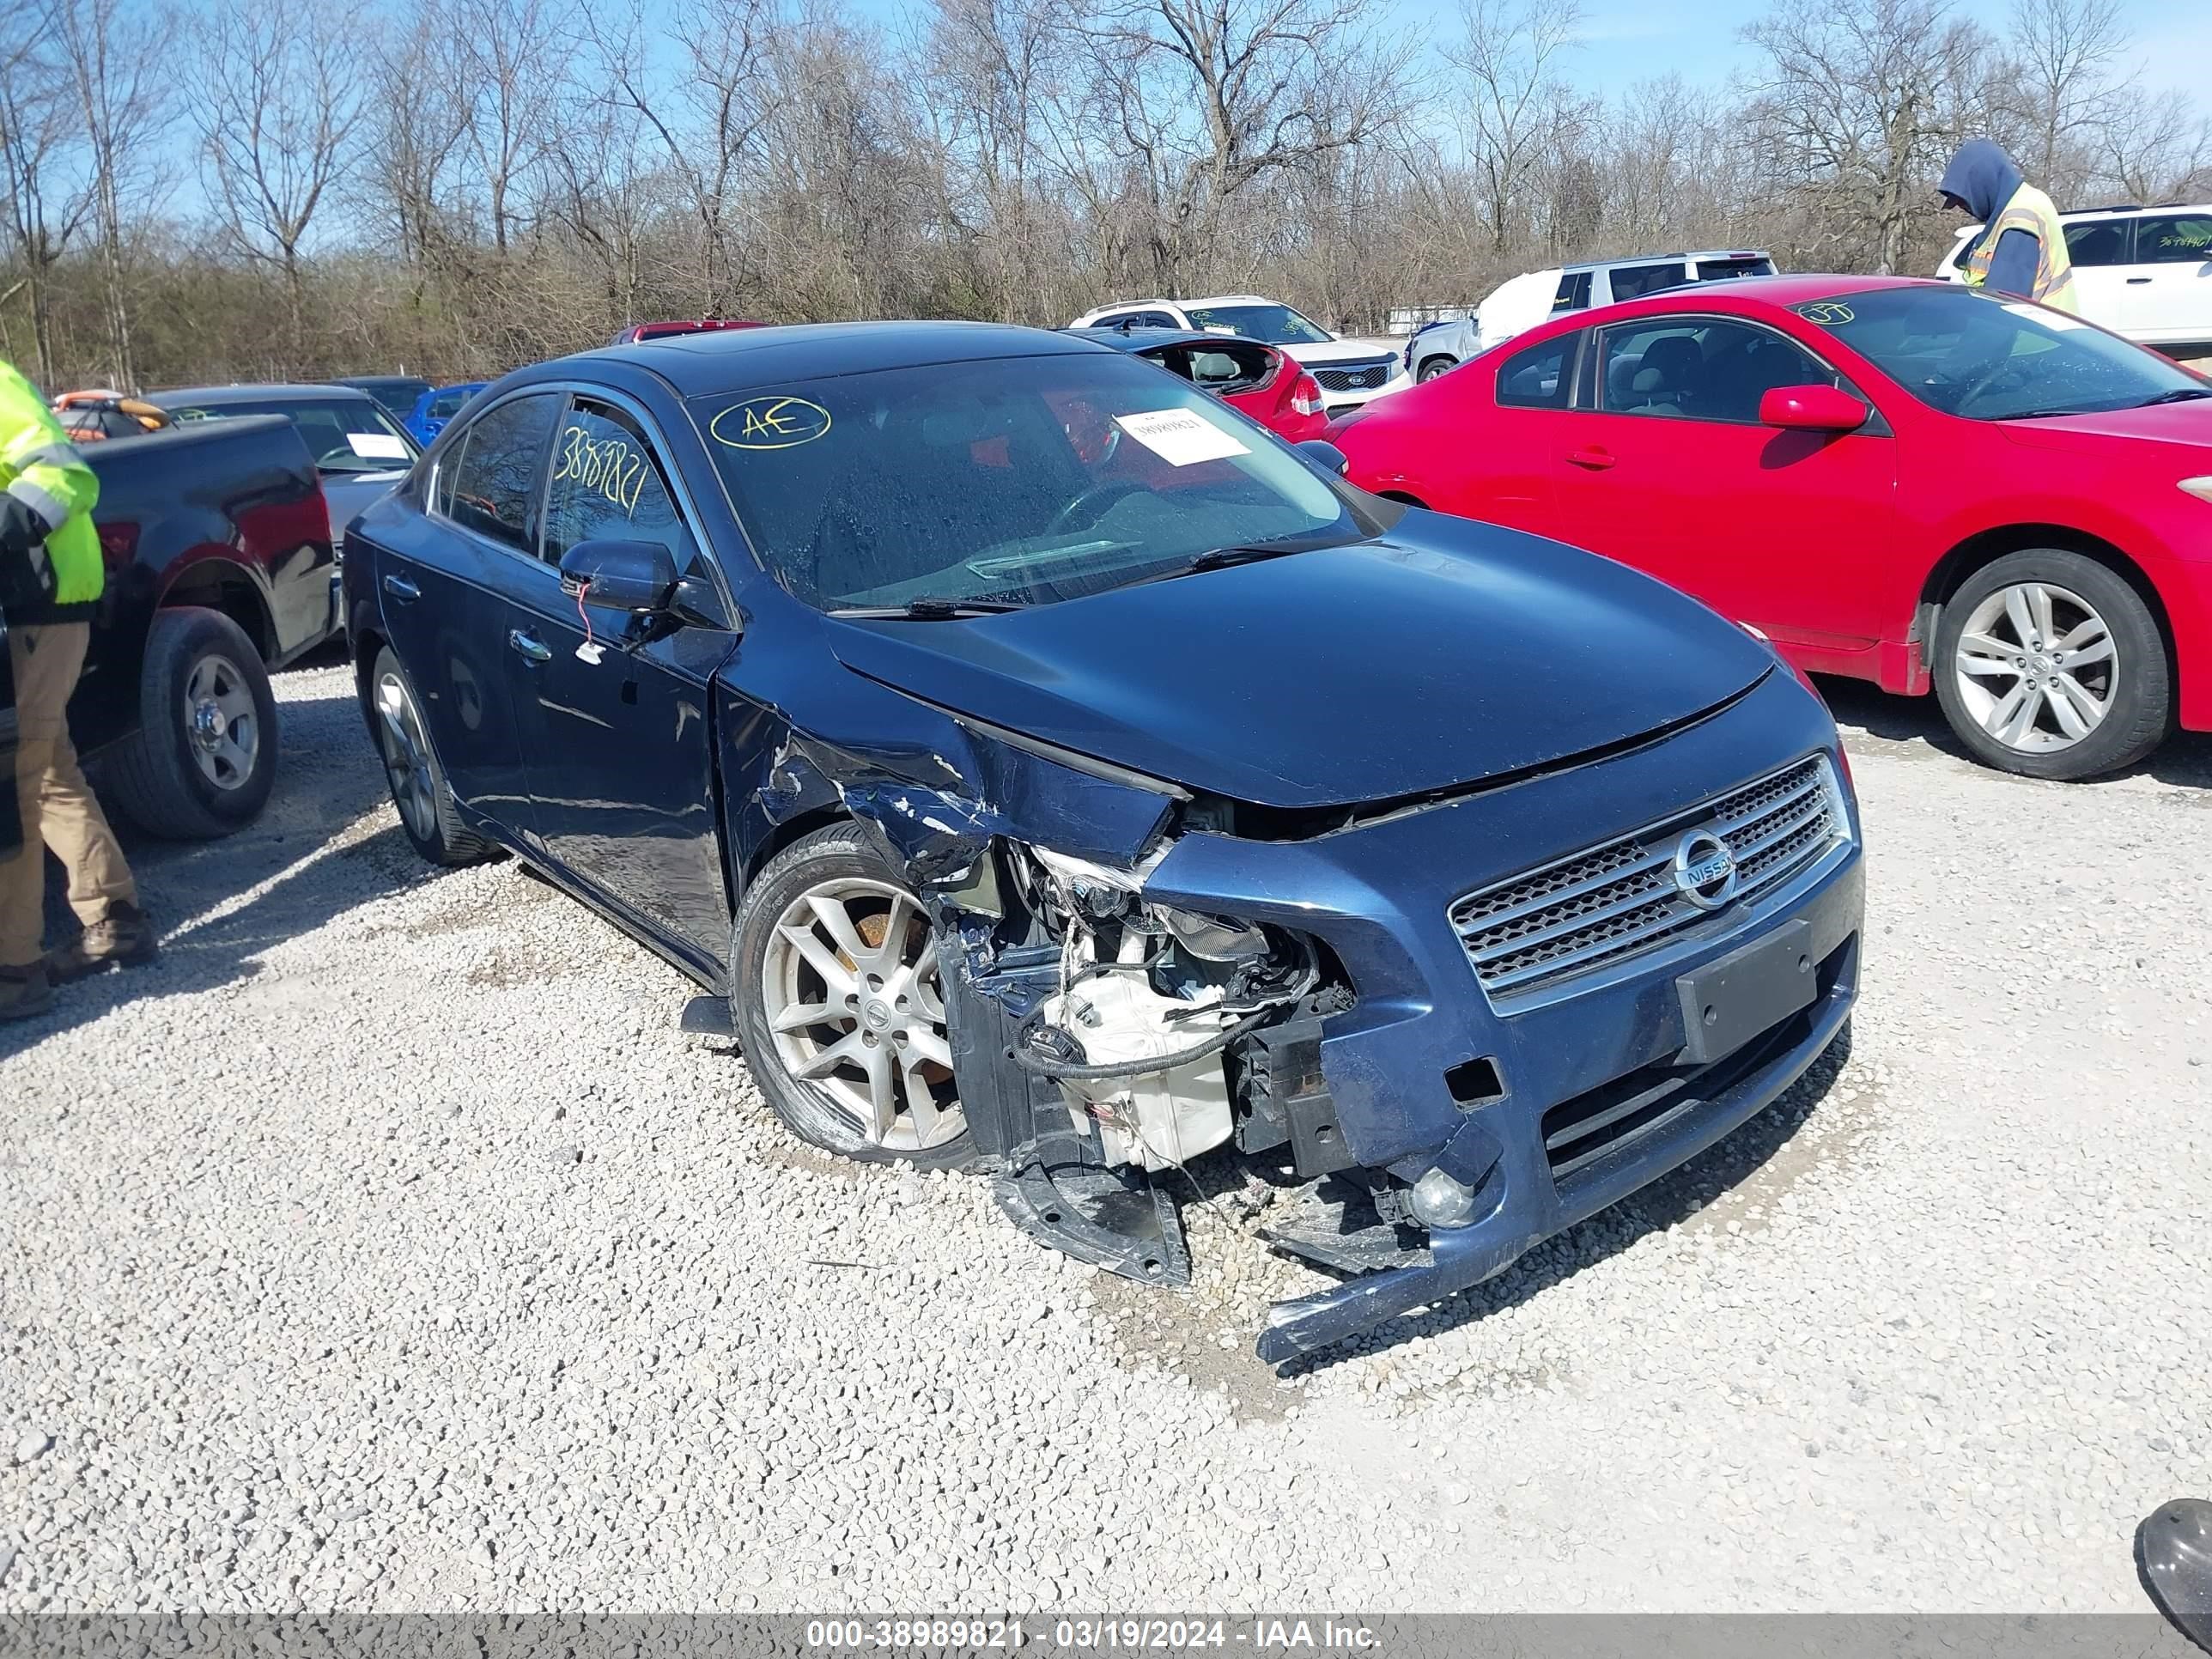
(1614, 902)
(1354, 377)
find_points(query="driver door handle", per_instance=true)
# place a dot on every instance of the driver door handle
(2138, 282)
(528, 647)
(401, 589)
(1595, 458)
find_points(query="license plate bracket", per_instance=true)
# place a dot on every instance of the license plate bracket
(1731, 999)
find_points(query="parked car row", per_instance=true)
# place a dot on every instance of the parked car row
(1349, 372)
(1909, 482)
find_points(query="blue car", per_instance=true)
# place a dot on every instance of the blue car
(1047, 772)
(437, 406)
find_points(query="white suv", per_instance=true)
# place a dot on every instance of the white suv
(1349, 372)
(2143, 272)
(1525, 300)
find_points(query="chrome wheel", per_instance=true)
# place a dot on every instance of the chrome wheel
(406, 758)
(852, 996)
(220, 723)
(2036, 667)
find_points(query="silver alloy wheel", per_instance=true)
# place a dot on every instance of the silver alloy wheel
(406, 756)
(851, 992)
(2036, 668)
(221, 722)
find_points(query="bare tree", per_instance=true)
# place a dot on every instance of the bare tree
(1510, 54)
(2063, 69)
(505, 56)
(416, 114)
(117, 61)
(1855, 103)
(276, 85)
(1204, 97)
(46, 202)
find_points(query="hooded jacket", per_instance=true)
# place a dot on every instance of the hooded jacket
(1983, 177)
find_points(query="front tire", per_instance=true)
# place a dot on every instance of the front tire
(203, 758)
(1436, 366)
(2049, 664)
(836, 999)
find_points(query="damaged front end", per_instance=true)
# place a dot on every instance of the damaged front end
(1136, 976)
(1106, 1040)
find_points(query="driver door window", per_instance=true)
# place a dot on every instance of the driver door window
(1701, 371)
(607, 486)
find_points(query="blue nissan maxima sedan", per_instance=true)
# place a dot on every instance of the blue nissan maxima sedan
(1050, 773)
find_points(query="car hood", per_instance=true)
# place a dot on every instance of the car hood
(2189, 423)
(1344, 351)
(1442, 654)
(349, 495)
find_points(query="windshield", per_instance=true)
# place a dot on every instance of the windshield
(1984, 358)
(1022, 480)
(1276, 324)
(344, 434)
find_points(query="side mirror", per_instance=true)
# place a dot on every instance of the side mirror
(634, 576)
(1812, 409)
(1326, 456)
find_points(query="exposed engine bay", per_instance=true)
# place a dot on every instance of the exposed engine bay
(1109, 1040)
(1148, 1001)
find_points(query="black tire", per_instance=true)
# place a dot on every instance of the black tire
(434, 828)
(838, 852)
(1432, 367)
(155, 774)
(2140, 691)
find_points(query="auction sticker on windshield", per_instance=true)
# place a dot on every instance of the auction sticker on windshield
(376, 445)
(1181, 437)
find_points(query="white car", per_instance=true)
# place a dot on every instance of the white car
(1522, 303)
(2143, 272)
(1350, 372)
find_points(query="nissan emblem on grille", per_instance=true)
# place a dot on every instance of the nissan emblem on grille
(1656, 888)
(1704, 870)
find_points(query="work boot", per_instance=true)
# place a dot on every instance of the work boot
(121, 939)
(25, 992)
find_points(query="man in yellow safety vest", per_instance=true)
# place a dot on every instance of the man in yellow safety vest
(51, 576)
(2021, 247)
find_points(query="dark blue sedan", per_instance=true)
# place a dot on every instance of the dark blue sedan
(1052, 774)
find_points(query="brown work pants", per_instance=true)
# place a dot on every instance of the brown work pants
(58, 810)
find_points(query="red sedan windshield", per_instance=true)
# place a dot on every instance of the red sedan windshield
(1985, 358)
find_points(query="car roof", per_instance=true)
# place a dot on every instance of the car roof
(1661, 258)
(730, 360)
(1775, 291)
(215, 395)
(380, 380)
(1147, 339)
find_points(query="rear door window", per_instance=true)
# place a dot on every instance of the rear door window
(2173, 239)
(1574, 292)
(1634, 281)
(2100, 242)
(1540, 377)
(499, 468)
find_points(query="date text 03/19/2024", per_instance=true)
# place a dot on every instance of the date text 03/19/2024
(1091, 1634)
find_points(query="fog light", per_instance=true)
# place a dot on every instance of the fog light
(1440, 1201)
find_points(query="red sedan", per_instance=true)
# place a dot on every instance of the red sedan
(1909, 482)
(1266, 382)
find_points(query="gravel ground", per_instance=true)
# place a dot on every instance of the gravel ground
(383, 1248)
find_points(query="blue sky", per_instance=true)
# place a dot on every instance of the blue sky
(1625, 43)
